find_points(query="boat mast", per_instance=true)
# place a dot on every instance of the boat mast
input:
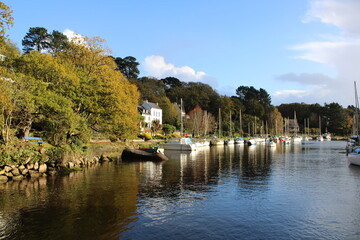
(220, 130)
(356, 118)
(230, 125)
(295, 124)
(181, 118)
(241, 131)
(205, 123)
(255, 127)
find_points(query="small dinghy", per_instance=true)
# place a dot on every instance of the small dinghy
(143, 154)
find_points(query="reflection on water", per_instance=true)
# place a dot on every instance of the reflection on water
(300, 191)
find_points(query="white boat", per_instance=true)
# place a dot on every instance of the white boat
(229, 141)
(296, 139)
(203, 143)
(306, 138)
(182, 144)
(354, 158)
(260, 140)
(353, 153)
(327, 136)
(251, 142)
(319, 138)
(353, 147)
(239, 140)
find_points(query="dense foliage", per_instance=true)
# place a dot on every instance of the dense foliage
(63, 90)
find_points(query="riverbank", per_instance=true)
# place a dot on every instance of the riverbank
(96, 152)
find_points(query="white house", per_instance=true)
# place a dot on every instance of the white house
(150, 111)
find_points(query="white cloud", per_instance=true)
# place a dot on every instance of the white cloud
(156, 66)
(340, 51)
(311, 95)
(74, 37)
(306, 78)
(341, 13)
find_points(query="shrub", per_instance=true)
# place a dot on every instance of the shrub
(146, 136)
(159, 136)
(175, 135)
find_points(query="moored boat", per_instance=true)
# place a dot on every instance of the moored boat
(148, 154)
(353, 145)
(229, 141)
(182, 144)
(251, 142)
(239, 140)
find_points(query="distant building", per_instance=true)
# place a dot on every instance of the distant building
(150, 111)
(293, 127)
(2, 57)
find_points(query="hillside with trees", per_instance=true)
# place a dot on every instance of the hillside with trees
(67, 91)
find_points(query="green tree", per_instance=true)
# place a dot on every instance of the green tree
(37, 39)
(336, 119)
(58, 42)
(151, 89)
(256, 102)
(128, 66)
(171, 82)
(168, 129)
(195, 93)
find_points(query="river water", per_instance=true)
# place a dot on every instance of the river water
(302, 191)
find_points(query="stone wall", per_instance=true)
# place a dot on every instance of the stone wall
(35, 170)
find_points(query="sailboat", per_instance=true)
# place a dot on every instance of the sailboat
(320, 137)
(182, 144)
(353, 145)
(217, 141)
(229, 140)
(239, 140)
(296, 138)
(252, 141)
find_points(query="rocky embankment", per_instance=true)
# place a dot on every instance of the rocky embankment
(17, 172)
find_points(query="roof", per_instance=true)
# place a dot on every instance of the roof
(149, 105)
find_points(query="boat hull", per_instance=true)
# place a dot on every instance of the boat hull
(179, 147)
(354, 158)
(143, 155)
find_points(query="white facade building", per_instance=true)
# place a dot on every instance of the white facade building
(150, 111)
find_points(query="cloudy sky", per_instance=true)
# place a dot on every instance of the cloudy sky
(298, 51)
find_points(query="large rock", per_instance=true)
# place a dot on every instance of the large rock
(36, 166)
(42, 168)
(71, 165)
(3, 179)
(34, 174)
(15, 172)
(30, 166)
(2, 172)
(18, 178)
(21, 167)
(7, 168)
(24, 171)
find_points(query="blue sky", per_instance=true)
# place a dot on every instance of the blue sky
(298, 51)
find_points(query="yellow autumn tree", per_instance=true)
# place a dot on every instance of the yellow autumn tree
(107, 100)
